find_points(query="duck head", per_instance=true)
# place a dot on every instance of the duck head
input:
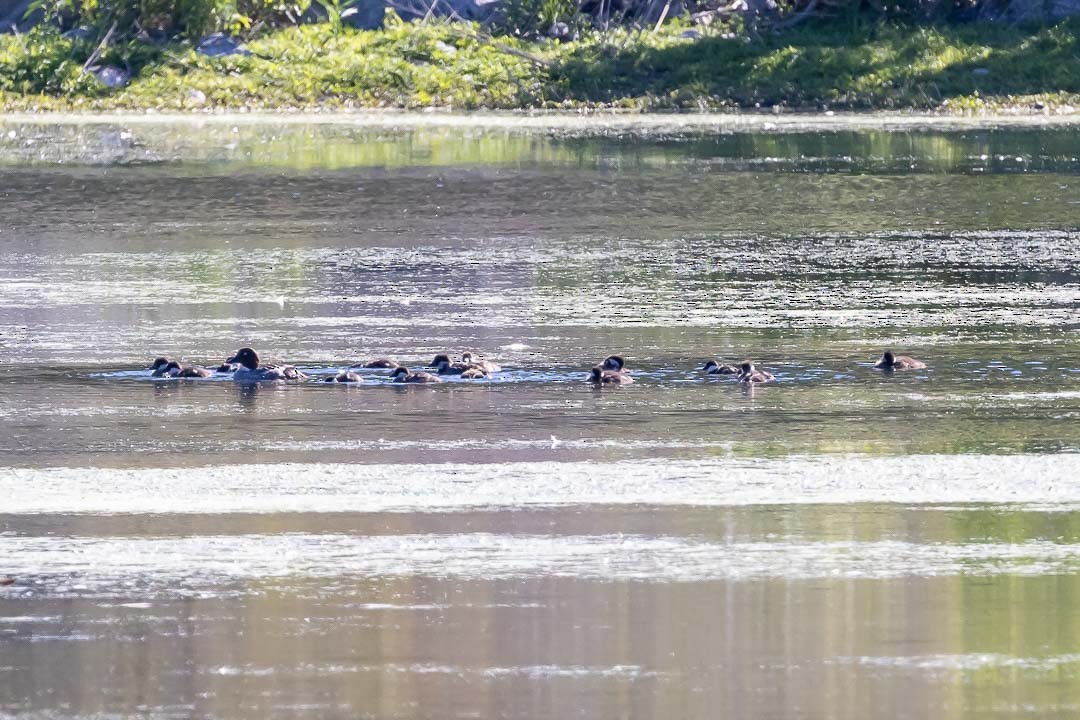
(246, 357)
(747, 367)
(399, 372)
(466, 357)
(443, 363)
(710, 366)
(441, 358)
(597, 373)
(887, 358)
(613, 362)
(158, 363)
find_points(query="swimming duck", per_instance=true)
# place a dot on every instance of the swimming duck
(602, 376)
(381, 363)
(345, 376)
(613, 362)
(714, 368)
(443, 366)
(486, 365)
(404, 375)
(889, 361)
(227, 367)
(750, 374)
(250, 371)
(176, 370)
(157, 368)
(473, 373)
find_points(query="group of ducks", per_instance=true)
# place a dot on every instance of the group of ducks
(246, 368)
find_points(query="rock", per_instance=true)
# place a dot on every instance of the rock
(219, 44)
(559, 31)
(111, 76)
(690, 35)
(79, 33)
(365, 14)
(195, 98)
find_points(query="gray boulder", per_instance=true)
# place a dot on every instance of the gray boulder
(111, 76)
(219, 44)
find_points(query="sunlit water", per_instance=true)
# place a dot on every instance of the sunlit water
(840, 544)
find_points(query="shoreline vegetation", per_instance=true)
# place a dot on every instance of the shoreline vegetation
(815, 67)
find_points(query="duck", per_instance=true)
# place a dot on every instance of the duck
(602, 376)
(614, 362)
(443, 366)
(714, 368)
(176, 370)
(889, 361)
(157, 368)
(473, 373)
(250, 371)
(345, 376)
(227, 367)
(486, 365)
(380, 364)
(405, 375)
(750, 374)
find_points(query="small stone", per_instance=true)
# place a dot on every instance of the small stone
(196, 98)
(690, 35)
(219, 44)
(111, 76)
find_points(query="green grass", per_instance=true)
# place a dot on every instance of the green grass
(409, 66)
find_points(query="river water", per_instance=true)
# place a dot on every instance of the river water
(840, 544)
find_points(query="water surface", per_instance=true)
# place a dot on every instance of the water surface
(842, 543)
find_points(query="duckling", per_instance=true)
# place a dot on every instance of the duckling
(404, 375)
(889, 361)
(750, 374)
(444, 367)
(345, 376)
(192, 371)
(250, 371)
(227, 367)
(602, 376)
(614, 362)
(381, 363)
(714, 368)
(473, 373)
(157, 368)
(486, 365)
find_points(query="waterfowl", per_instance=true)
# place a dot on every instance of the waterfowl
(227, 367)
(473, 373)
(381, 363)
(602, 376)
(345, 376)
(250, 371)
(443, 366)
(192, 371)
(613, 362)
(889, 361)
(714, 368)
(404, 375)
(157, 368)
(486, 365)
(750, 374)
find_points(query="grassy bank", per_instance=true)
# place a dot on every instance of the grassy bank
(832, 66)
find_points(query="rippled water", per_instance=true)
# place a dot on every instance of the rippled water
(840, 544)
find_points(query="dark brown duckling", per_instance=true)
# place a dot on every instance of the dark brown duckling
(345, 376)
(445, 367)
(473, 373)
(614, 362)
(600, 376)
(889, 361)
(404, 375)
(250, 371)
(714, 368)
(174, 369)
(379, 364)
(157, 368)
(750, 374)
(486, 365)
(226, 367)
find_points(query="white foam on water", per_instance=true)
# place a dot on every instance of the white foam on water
(225, 563)
(1046, 480)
